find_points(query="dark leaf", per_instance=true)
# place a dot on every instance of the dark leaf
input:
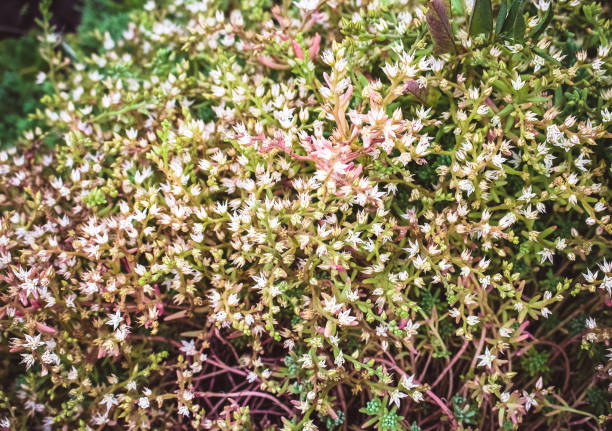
(440, 27)
(514, 26)
(413, 87)
(481, 20)
(539, 29)
(501, 17)
(518, 32)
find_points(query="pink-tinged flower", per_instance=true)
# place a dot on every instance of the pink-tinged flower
(345, 319)
(315, 45)
(44, 328)
(297, 49)
(271, 63)
(529, 400)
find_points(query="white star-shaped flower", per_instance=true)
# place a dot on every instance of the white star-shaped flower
(115, 319)
(188, 347)
(408, 382)
(396, 396)
(486, 359)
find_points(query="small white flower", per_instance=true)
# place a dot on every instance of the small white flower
(527, 195)
(131, 133)
(143, 402)
(109, 400)
(396, 396)
(517, 83)
(417, 396)
(32, 343)
(339, 361)
(331, 306)
(408, 382)
(40, 77)
(411, 329)
(473, 320)
(73, 374)
(188, 347)
(589, 276)
(590, 323)
(306, 5)
(543, 5)
(546, 254)
(529, 400)
(115, 319)
(486, 359)
(251, 377)
(345, 318)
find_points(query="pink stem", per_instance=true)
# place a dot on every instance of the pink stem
(450, 364)
(442, 406)
(246, 394)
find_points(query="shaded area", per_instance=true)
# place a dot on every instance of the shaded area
(17, 17)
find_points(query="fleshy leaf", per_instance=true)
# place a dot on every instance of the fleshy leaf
(440, 27)
(481, 20)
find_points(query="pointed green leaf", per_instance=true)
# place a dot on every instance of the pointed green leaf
(363, 80)
(545, 55)
(370, 422)
(501, 17)
(481, 21)
(543, 24)
(514, 26)
(518, 32)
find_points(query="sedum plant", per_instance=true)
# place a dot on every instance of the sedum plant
(313, 215)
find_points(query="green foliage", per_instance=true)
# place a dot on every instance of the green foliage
(481, 19)
(95, 198)
(536, 363)
(244, 215)
(464, 412)
(513, 26)
(599, 398)
(99, 17)
(373, 406)
(18, 89)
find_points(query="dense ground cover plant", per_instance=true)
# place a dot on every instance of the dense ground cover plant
(339, 215)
